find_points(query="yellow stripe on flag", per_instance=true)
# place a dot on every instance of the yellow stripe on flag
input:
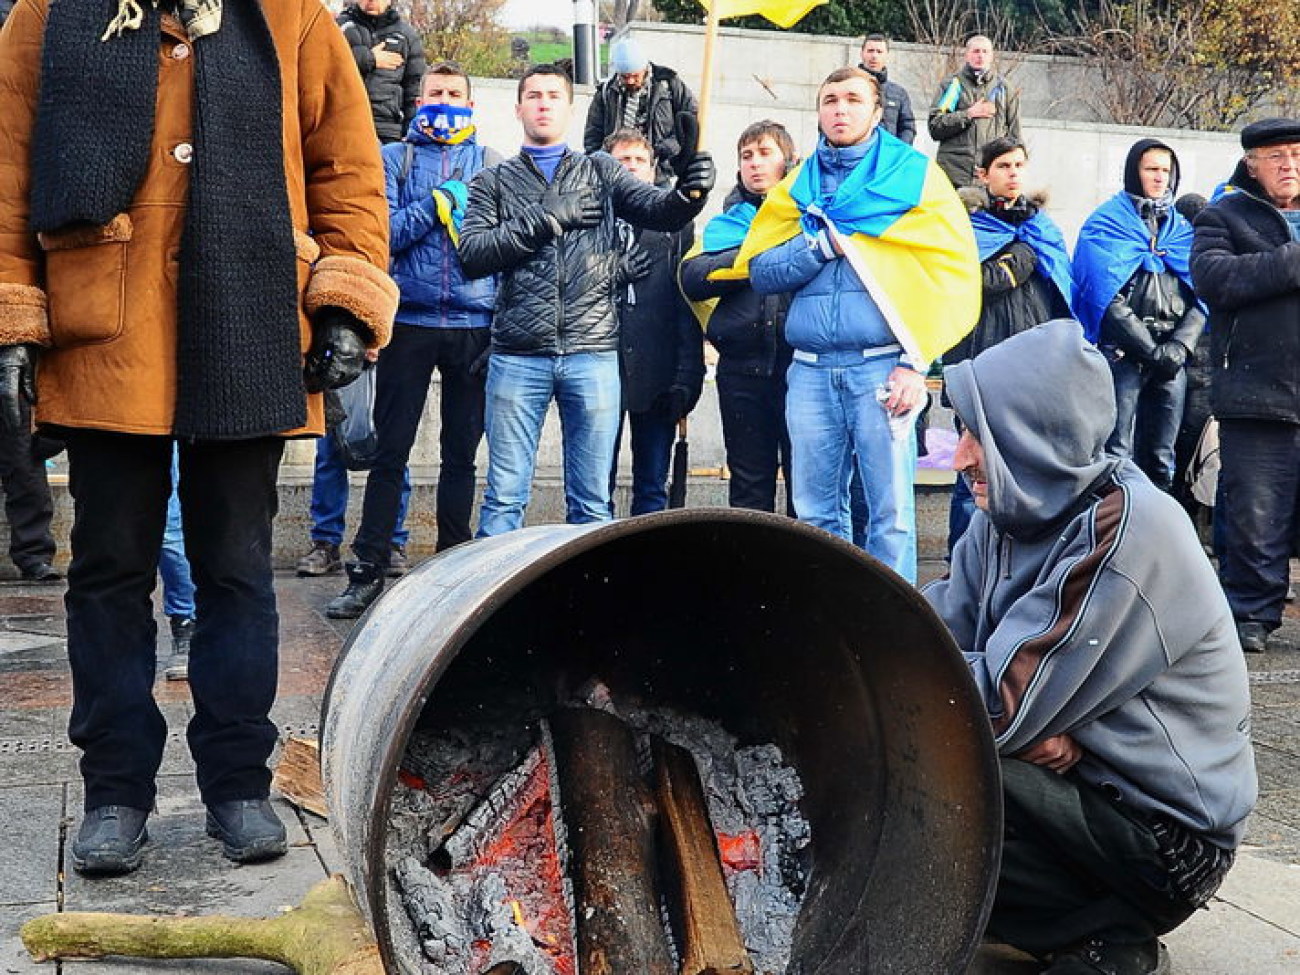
(783, 13)
(923, 272)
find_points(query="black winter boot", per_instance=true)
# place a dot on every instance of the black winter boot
(365, 583)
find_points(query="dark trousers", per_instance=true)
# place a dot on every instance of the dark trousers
(756, 440)
(1257, 522)
(1076, 866)
(401, 388)
(28, 505)
(652, 435)
(120, 484)
(1148, 413)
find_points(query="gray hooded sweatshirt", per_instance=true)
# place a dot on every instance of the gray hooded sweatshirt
(1082, 598)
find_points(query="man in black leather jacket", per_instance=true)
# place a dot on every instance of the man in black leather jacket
(1246, 262)
(544, 221)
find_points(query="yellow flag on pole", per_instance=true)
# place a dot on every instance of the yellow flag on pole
(783, 13)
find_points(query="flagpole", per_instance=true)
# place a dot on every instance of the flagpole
(706, 81)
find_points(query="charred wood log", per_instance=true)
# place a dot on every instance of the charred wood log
(609, 820)
(711, 941)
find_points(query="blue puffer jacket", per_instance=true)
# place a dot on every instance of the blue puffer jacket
(435, 291)
(831, 310)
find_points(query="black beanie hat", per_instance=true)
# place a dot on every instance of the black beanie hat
(1132, 181)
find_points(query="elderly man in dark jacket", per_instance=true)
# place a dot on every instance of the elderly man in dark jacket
(974, 106)
(390, 56)
(1246, 266)
(646, 97)
(544, 221)
(661, 347)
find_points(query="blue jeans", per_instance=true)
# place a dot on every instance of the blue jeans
(833, 414)
(329, 497)
(173, 567)
(585, 387)
(653, 433)
(1148, 412)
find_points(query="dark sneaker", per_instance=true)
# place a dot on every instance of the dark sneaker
(41, 572)
(320, 561)
(397, 562)
(1097, 957)
(1253, 636)
(365, 583)
(249, 830)
(178, 665)
(110, 841)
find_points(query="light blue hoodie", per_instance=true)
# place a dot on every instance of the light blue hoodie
(1082, 599)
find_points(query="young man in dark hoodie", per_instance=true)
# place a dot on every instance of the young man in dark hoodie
(1133, 294)
(1118, 698)
(1246, 261)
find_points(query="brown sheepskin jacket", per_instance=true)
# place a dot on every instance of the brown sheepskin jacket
(103, 300)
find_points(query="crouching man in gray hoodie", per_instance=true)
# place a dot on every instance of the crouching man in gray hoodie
(1107, 656)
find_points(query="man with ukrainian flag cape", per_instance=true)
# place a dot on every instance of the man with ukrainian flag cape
(746, 329)
(1133, 294)
(870, 237)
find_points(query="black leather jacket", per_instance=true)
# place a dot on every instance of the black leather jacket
(555, 294)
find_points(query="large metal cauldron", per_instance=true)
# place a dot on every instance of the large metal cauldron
(780, 632)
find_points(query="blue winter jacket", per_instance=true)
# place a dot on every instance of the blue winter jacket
(435, 291)
(831, 310)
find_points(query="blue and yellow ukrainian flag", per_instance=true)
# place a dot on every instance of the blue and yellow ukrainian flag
(901, 227)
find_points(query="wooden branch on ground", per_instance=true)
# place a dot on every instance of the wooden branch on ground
(325, 935)
(711, 940)
(609, 819)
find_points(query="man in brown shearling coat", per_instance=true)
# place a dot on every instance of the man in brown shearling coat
(193, 237)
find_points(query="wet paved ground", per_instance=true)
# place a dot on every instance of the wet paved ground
(1251, 928)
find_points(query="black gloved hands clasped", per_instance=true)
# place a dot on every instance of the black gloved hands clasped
(17, 386)
(1168, 358)
(573, 211)
(338, 350)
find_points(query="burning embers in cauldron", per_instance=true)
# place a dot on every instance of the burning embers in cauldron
(583, 841)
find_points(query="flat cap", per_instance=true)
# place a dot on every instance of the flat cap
(1270, 132)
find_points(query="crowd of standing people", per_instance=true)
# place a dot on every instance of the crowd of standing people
(172, 323)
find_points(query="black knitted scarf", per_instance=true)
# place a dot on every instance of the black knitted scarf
(239, 362)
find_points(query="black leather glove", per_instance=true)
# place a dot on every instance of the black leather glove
(1170, 356)
(698, 177)
(337, 353)
(573, 211)
(17, 386)
(633, 266)
(1022, 260)
(677, 401)
(686, 130)
(479, 366)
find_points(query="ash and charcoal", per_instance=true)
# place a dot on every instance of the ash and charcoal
(462, 787)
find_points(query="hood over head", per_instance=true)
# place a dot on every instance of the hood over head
(1042, 405)
(1133, 182)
